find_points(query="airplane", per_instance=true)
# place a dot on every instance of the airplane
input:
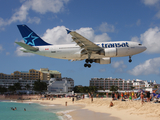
(84, 49)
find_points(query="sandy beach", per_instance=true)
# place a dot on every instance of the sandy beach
(124, 110)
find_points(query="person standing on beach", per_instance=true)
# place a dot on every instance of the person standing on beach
(89, 95)
(92, 97)
(142, 97)
(107, 94)
(130, 96)
(121, 96)
(148, 96)
(73, 99)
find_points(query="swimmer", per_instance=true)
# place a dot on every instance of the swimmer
(24, 109)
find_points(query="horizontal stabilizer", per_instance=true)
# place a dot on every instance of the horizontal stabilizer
(27, 47)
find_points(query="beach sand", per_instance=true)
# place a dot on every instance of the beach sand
(124, 110)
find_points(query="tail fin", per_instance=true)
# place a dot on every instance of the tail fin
(31, 38)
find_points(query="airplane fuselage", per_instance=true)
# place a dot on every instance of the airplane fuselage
(73, 51)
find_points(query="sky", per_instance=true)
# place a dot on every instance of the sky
(97, 20)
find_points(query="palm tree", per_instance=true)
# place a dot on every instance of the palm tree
(28, 86)
(113, 88)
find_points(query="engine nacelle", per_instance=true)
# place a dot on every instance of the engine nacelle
(109, 52)
(103, 60)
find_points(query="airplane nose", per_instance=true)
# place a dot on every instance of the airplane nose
(144, 48)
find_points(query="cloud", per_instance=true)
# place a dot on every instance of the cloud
(119, 66)
(102, 70)
(150, 2)
(151, 39)
(39, 6)
(18, 52)
(1, 48)
(138, 23)
(34, 20)
(19, 15)
(135, 39)
(155, 4)
(150, 66)
(105, 27)
(58, 35)
(7, 53)
(43, 6)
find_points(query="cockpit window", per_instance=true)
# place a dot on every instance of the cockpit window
(139, 44)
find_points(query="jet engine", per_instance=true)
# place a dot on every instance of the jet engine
(109, 52)
(103, 60)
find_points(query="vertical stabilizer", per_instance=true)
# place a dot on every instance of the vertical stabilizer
(30, 37)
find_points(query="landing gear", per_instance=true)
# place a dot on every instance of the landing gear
(130, 60)
(87, 65)
(88, 61)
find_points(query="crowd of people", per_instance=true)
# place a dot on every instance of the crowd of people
(144, 96)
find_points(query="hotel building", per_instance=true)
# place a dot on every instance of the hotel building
(42, 74)
(106, 83)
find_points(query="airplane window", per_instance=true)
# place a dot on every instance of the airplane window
(139, 44)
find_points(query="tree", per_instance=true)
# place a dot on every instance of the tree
(113, 88)
(85, 89)
(17, 86)
(155, 86)
(132, 87)
(27, 86)
(100, 88)
(11, 88)
(3, 89)
(92, 89)
(40, 86)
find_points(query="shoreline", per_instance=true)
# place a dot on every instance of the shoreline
(124, 110)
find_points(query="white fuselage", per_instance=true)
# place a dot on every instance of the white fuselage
(73, 51)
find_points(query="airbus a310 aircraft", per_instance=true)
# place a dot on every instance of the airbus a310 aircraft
(84, 49)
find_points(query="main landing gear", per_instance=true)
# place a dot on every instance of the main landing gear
(130, 60)
(87, 63)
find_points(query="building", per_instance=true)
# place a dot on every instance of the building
(60, 85)
(46, 74)
(106, 83)
(140, 84)
(32, 74)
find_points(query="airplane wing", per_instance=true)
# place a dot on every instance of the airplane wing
(27, 47)
(84, 43)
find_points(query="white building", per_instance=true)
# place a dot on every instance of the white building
(60, 85)
(140, 84)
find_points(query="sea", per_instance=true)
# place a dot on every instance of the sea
(34, 111)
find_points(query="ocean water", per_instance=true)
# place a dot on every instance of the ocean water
(33, 111)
